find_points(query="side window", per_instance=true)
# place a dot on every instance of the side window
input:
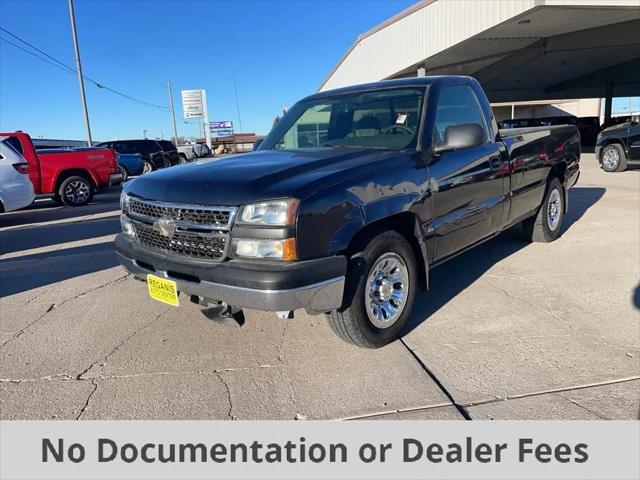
(15, 143)
(121, 147)
(457, 104)
(150, 146)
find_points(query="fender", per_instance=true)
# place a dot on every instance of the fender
(54, 184)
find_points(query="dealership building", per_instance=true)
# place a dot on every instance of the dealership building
(534, 58)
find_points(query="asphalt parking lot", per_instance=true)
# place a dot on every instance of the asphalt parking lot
(509, 330)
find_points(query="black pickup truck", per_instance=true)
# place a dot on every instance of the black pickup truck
(618, 146)
(347, 205)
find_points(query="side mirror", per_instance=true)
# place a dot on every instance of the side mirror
(458, 137)
(257, 144)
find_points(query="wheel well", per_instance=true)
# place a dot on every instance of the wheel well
(403, 223)
(73, 172)
(558, 171)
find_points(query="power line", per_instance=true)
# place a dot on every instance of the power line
(55, 62)
(37, 56)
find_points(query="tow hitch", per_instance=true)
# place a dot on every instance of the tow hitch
(220, 312)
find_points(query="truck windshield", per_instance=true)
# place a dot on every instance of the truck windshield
(384, 119)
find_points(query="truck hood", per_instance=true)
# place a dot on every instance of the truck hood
(261, 175)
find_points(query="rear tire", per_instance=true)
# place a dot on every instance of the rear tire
(546, 225)
(380, 278)
(124, 173)
(613, 158)
(76, 191)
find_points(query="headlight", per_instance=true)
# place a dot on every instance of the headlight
(127, 227)
(124, 202)
(266, 249)
(277, 213)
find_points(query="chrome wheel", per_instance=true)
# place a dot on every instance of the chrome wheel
(554, 210)
(147, 168)
(77, 192)
(387, 290)
(610, 158)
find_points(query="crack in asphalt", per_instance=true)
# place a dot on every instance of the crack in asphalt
(86, 402)
(26, 327)
(601, 417)
(103, 361)
(226, 386)
(292, 394)
(66, 376)
(55, 305)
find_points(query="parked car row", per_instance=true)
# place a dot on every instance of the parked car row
(69, 176)
(73, 175)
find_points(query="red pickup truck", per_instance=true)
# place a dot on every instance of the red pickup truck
(69, 176)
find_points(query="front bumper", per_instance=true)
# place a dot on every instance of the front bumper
(315, 285)
(115, 179)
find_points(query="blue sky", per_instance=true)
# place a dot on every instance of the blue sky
(280, 50)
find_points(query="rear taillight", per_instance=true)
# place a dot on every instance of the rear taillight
(21, 168)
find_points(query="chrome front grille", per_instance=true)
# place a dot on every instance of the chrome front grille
(190, 244)
(188, 216)
(197, 231)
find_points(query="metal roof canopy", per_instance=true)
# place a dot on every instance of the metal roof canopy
(519, 50)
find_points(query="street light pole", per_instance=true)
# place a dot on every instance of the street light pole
(79, 70)
(173, 113)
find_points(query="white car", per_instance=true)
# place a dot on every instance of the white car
(16, 190)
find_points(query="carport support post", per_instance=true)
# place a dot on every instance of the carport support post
(608, 100)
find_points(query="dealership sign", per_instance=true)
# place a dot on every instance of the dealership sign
(192, 103)
(221, 129)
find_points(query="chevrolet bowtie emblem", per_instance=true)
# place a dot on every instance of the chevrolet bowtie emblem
(165, 226)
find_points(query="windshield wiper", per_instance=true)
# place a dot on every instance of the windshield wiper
(341, 145)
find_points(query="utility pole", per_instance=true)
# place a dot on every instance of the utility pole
(173, 113)
(79, 70)
(144, 134)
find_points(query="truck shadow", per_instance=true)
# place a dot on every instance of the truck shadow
(32, 271)
(40, 236)
(454, 276)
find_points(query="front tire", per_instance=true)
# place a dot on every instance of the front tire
(183, 159)
(379, 292)
(148, 167)
(76, 191)
(613, 158)
(546, 226)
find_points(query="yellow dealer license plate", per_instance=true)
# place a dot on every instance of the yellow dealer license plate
(163, 290)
